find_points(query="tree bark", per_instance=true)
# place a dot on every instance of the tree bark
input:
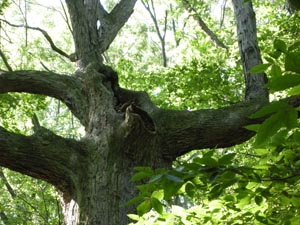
(124, 129)
(249, 51)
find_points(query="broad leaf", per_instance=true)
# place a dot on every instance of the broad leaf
(157, 205)
(294, 91)
(144, 207)
(159, 195)
(190, 189)
(268, 128)
(260, 68)
(292, 62)
(280, 45)
(294, 46)
(275, 71)
(141, 175)
(269, 109)
(284, 82)
(226, 159)
(173, 178)
(258, 199)
(290, 118)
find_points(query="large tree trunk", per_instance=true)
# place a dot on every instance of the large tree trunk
(124, 129)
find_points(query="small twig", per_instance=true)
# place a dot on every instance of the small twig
(5, 61)
(66, 17)
(48, 38)
(223, 8)
(36, 123)
(45, 67)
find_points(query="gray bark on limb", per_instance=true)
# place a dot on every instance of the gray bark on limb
(43, 155)
(94, 28)
(62, 87)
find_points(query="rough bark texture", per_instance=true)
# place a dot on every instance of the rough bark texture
(249, 50)
(124, 128)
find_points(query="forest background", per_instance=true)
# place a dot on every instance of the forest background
(186, 57)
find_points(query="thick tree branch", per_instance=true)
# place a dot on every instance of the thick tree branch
(43, 155)
(62, 87)
(179, 132)
(182, 131)
(71, 57)
(202, 24)
(117, 18)
(249, 50)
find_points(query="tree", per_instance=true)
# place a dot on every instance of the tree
(124, 128)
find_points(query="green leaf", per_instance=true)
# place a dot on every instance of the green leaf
(159, 195)
(144, 207)
(294, 90)
(173, 178)
(170, 189)
(253, 127)
(258, 199)
(268, 128)
(229, 198)
(276, 54)
(290, 118)
(294, 46)
(292, 62)
(216, 191)
(261, 151)
(280, 45)
(134, 200)
(133, 217)
(206, 161)
(157, 205)
(296, 202)
(275, 71)
(260, 68)
(226, 159)
(141, 175)
(155, 178)
(260, 218)
(270, 60)
(269, 109)
(190, 189)
(284, 82)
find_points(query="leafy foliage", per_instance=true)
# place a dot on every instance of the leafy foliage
(223, 186)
